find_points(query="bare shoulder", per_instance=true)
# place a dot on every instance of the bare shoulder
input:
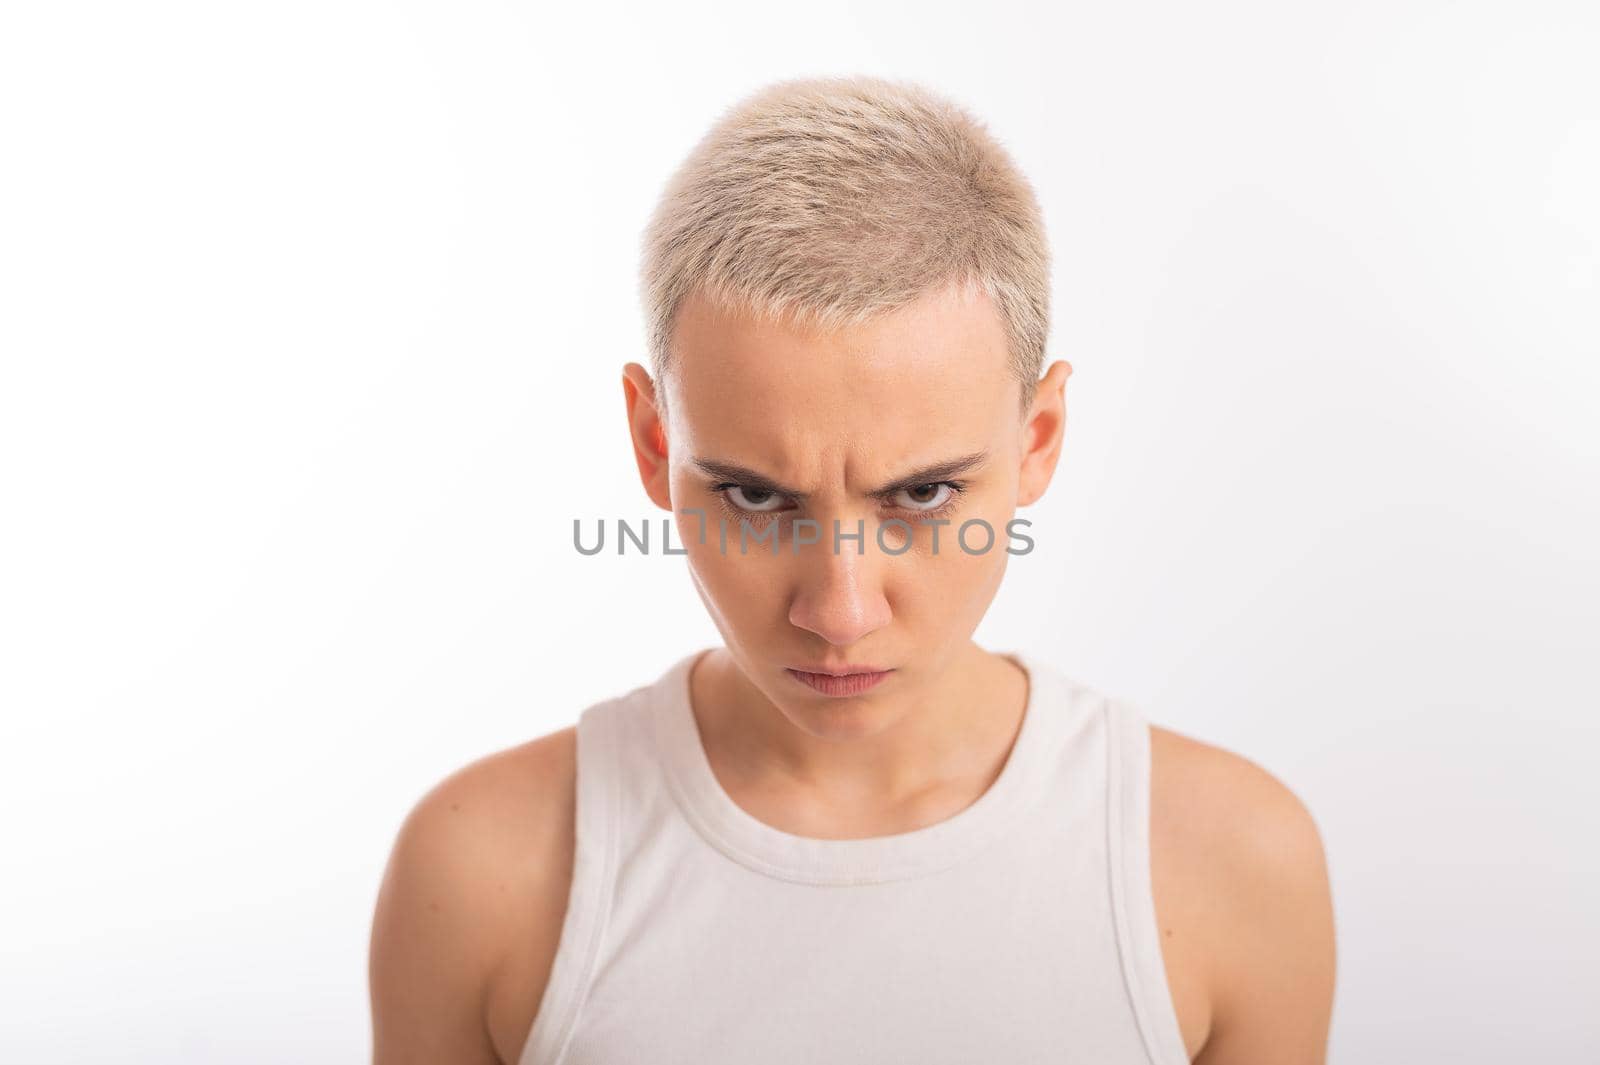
(1241, 812)
(1243, 895)
(470, 909)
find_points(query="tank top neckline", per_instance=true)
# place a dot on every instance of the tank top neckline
(875, 859)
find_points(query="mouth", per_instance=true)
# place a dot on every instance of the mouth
(841, 684)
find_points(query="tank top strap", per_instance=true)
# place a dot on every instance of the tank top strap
(1132, 894)
(602, 742)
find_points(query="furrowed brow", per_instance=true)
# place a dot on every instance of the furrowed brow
(939, 471)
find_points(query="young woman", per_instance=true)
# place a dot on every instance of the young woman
(849, 833)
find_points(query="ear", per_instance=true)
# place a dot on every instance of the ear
(1042, 433)
(648, 433)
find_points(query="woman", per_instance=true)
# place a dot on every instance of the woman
(850, 833)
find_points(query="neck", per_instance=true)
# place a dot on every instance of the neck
(942, 737)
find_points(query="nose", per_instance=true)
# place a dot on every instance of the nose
(841, 596)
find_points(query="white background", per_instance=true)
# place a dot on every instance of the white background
(313, 316)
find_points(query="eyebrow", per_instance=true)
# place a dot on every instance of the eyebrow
(939, 471)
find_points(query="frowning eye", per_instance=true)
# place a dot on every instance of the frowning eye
(751, 500)
(925, 496)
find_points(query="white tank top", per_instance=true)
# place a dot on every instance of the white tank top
(1020, 930)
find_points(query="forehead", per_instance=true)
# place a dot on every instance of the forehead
(932, 376)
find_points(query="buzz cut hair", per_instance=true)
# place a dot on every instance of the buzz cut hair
(826, 201)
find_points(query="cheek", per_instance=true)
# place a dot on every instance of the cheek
(952, 577)
(944, 581)
(744, 586)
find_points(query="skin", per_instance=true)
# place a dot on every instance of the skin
(470, 910)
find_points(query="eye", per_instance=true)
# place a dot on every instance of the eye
(753, 500)
(925, 496)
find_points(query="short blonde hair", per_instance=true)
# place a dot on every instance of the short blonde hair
(829, 200)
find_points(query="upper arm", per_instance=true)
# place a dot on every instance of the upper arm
(472, 895)
(1256, 860)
